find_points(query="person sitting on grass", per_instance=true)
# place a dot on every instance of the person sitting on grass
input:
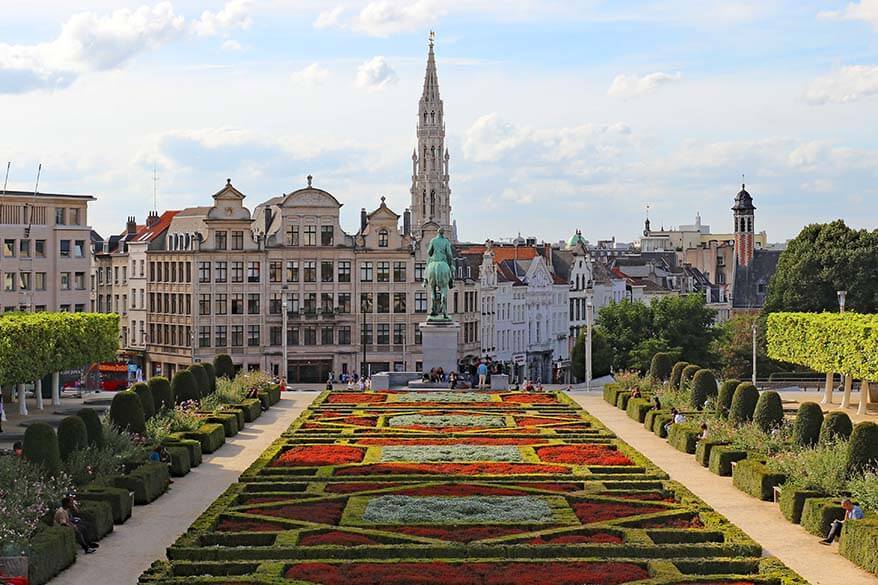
(851, 512)
(64, 516)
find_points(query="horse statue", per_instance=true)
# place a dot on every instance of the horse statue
(439, 276)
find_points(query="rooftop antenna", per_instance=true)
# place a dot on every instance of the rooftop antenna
(30, 219)
(155, 181)
(6, 180)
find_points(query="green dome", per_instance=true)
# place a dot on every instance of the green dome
(576, 239)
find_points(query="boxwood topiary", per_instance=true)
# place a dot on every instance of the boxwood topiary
(687, 375)
(863, 447)
(809, 419)
(184, 386)
(223, 366)
(703, 387)
(147, 401)
(858, 543)
(743, 403)
(201, 378)
(211, 375)
(676, 373)
(93, 426)
(72, 435)
(660, 367)
(41, 446)
(724, 398)
(836, 425)
(162, 394)
(126, 412)
(768, 414)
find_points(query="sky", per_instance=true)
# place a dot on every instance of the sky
(560, 115)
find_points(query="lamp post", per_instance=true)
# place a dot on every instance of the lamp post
(589, 309)
(848, 382)
(842, 295)
(284, 308)
(754, 354)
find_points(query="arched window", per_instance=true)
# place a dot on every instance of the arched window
(432, 202)
(382, 238)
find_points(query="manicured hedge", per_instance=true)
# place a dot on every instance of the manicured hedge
(724, 397)
(703, 449)
(818, 514)
(180, 464)
(622, 399)
(792, 501)
(72, 435)
(863, 447)
(239, 414)
(51, 550)
(162, 394)
(859, 543)
(211, 375)
(659, 424)
(806, 428)
(753, 478)
(251, 407)
(121, 500)
(100, 518)
(661, 365)
(148, 482)
(210, 435)
(41, 446)
(826, 342)
(147, 401)
(836, 425)
(274, 394)
(684, 437)
(768, 414)
(637, 408)
(126, 412)
(191, 445)
(722, 457)
(184, 386)
(676, 374)
(687, 375)
(228, 421)
(223, 366)
(201, 378)
(649, 419)
(743, 403)
(93, 427)
(611, 393)
(703, 388)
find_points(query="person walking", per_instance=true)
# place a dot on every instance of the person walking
(482, 372)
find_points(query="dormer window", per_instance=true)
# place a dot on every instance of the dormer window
(383, 238)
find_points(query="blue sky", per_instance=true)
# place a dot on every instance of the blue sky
(560, 115)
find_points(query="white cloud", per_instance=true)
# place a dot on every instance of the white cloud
(864, 10)
(376, 73)
(630, 86)
(848, 84)
(311, 75)
(234, 15)
(231, 45)
(329, 18)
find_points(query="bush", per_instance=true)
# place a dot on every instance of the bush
(210, 435)
(194, 448)
(859, 543)
(637, 408)
(792, 501)
(72, 435)
(722, 457)
(91, 464)
(863, 448)
(659, 424)
(836, 426)
(649, 419)
(50, 551)
(41, 447)
(148, 482)
(621, 399)
(821, 469)
(755, 479)
(743, 403)
(704, 448)
(703, 387)
(684, 437)
(184, 386)
(687, 375)
(201, 378)
(768, 414)
(676, 374)
(818, 514)
(252, 408)
(147, 400)
(660, 368)
(724, 398)
(211, 376)
(162, 394)
(180, 462)
(809, 419)
(99, 517)
(864, 489)
(229, 421)
(120, 499)
(28, 495)
(126, 413)
(223, 366)
(93, 427)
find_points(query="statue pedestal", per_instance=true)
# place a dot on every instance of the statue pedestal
(439, 344)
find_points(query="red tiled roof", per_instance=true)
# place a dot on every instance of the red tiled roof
(502, 253)
(158, 228)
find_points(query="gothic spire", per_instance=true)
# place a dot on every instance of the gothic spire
(431, 79)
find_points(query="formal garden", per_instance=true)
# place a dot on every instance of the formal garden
(407, 487)
(108, 461)
(805, 459)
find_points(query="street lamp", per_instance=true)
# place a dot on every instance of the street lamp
(284, 307)
(754, 353)
(589, 309)
(842, 295)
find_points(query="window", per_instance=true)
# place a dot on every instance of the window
(293, 236)
(24, 280)
(237, 240)
(275, 335)
(344, 302)
(79, 249)
(311, 303)
(75, 218)
(344, 335)
(60, 216)
(222, 240)
(399, 302)
(326, 302)
(382, 238)
(79, 280)
(24, 248)
(310, 235)
(204, 304)
(237, 304)
(310, 336)
(366, 303)
(399, 272)
(326, 235)
(65, 281)
(253, 337)
(344, 271)
(383, 302)
(204, 272)
(237, 272)
(221, 271)
(222, 304)
(326, 336)
(237, 335)
(204, 336)
(398, 333)
(292, 271)
(253, 304)
(275, 303)
(366, 272)
(9, 248)
(253, 272)
(309, 269)
(418, 336)
(222, 336)
(293, 336)
(419, 271)
(275, 271)
(326, 271)
(40, 248)
(366, 334)
(64, 247)
(40, 281)
(292, 303)
(384, 271)
(760, 288)
(421, 302)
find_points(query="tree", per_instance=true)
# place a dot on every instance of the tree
(625, 324)
(823, 259)
(601, 355)
(734, 347)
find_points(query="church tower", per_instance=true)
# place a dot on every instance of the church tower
(431, 195)
(744, 214)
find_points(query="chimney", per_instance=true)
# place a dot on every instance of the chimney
(407, 222)
(131, 227)
(152, 218)
(363, 220)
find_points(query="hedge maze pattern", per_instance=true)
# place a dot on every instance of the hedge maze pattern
(488, 488)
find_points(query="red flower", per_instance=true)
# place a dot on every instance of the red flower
(552, 487)
(577, 538)
(355, 398)
(690, 522)
(451, 469)
(241, 525)
(530, 398)
(353, 487)
(336, 537)
(582, 455)
(589, 512)
(324, 512)
(467, 440)
(314, 455)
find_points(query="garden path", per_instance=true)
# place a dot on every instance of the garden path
(762, 521)
(132, 547)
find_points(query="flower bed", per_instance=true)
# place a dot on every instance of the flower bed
(583, 455)
(309, 455)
